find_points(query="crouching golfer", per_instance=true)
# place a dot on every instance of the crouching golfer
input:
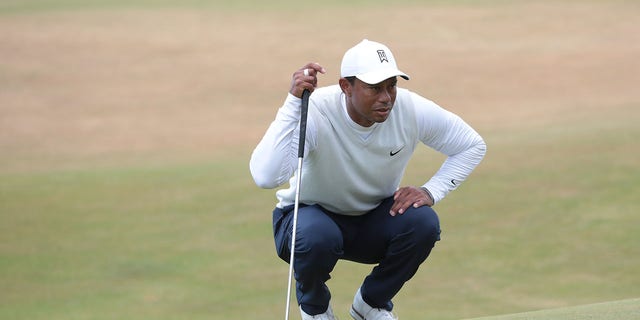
(360, 136)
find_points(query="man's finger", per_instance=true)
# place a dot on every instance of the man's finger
(316, 67)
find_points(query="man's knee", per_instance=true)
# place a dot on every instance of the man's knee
(425, 223)
(318, 239)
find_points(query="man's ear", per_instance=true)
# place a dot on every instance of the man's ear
(345, 85)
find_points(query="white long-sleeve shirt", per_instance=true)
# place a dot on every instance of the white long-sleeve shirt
(349, 169)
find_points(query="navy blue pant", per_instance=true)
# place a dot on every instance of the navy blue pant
(397, 244)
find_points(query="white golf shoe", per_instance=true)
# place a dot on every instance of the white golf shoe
(360, 310)
(327, 315)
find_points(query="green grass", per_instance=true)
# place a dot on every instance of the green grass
(194, 240)
(615, 310)
(549, 217)
(157, 243)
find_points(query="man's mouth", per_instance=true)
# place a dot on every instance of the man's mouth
(382, 111)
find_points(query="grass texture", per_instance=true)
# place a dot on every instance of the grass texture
(622, 309)
(126, 131)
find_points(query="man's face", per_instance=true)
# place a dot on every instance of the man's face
(369, 103)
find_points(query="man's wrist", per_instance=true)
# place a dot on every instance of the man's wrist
(428, 194)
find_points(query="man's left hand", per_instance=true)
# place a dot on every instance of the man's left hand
(406, 197)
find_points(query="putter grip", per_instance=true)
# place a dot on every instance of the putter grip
(303, 122)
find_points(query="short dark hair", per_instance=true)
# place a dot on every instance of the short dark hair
(351, 79)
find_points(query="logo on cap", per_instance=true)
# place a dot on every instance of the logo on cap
(382, 56)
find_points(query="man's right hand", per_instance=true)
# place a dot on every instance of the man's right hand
(305, 78)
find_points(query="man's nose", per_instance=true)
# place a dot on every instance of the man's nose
(385, 96)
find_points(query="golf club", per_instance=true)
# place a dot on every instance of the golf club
(303, 131)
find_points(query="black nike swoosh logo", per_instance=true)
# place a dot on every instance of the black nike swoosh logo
(391, 153)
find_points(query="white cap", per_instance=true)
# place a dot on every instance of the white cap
(371, 62)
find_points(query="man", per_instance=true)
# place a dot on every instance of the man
(360, 136)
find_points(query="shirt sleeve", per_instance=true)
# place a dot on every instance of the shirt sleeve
(274, 159)
(447, 133)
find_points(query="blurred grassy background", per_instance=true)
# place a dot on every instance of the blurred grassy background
(126, 129)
